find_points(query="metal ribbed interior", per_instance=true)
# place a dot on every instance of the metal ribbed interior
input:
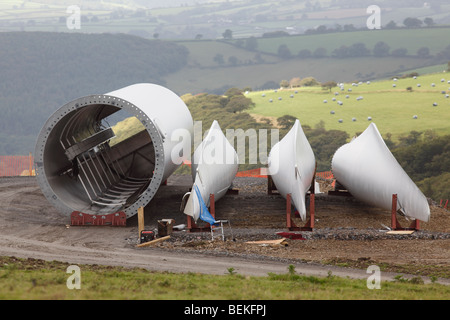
(78, 168)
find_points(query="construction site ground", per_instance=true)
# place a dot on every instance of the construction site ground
(348, 235)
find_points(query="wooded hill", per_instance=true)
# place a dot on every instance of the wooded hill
(42, 71)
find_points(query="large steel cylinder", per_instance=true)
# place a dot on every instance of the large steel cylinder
(80, 168)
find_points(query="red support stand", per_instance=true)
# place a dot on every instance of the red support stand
(395, 225)
(309, 226)
(118, 219)
(193, 227)
(442, 205)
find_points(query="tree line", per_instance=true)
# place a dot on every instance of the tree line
(426, 158)
(409, 23)
(359, 49)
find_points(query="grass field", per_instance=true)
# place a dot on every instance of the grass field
(391, 108)
(29, 279)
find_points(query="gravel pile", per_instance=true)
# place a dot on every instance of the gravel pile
(370, 234)
(244, 235)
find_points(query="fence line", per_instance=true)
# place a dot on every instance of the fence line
(255, 173)
(325, 175)
(14, 166)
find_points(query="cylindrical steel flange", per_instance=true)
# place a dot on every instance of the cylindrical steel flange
(80, 167)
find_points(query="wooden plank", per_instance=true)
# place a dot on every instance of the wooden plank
(140, 220)
(146, 244)
(281, 241)
(400, 232)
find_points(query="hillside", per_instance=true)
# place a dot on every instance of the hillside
(255, 62)
(46, 70)
(391, 108)
(43, 71)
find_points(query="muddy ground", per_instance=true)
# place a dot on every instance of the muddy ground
(347, 233)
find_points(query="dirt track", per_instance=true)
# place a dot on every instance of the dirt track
(346, 233)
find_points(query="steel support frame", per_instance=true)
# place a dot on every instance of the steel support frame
(193, 227)
(117, 219)
(290, 224)
(395, 225)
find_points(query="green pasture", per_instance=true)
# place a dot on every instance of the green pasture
(391, 108)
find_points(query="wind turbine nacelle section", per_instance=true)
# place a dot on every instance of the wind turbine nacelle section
(84, 164)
